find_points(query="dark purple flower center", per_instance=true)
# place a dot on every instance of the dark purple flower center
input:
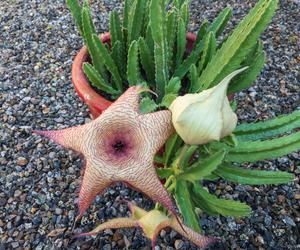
(119, 146)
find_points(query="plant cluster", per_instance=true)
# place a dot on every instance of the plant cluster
(149, 47)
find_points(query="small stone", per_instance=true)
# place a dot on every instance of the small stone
(117, 236)
(58, 211)
(2, 202)
(281, 199)
(37, 220)
(297, 196)
(27, 99)
(28, 225)
(9, 225)
(121, 243)
(228, 188)
(14, 244)
(173, 234)
(289, 221)
(107, 247)
(178, 244)
(18, 221)
(162, 233)
(268, 220)
(33, 210)
(46, 110)
(52, 155)
(17, 193)
(21, 161)
(3, 161)
(260, 240)
(127, 242)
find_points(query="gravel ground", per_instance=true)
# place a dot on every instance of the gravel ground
(39, 180)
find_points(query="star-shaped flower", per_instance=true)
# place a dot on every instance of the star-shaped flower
(119, 145)
(152, 223)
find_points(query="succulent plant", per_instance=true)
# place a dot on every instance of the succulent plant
(148, 48)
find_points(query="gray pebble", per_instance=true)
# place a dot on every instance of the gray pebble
(58, 211)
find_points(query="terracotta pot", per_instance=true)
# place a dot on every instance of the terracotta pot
(96, 102)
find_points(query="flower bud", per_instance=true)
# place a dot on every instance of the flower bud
(204, 117)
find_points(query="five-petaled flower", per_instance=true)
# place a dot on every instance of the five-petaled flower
(119, 146)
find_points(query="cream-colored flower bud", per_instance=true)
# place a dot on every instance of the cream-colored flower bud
(204, 117)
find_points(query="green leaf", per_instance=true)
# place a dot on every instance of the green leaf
(133, 71)
(265, 129)
(149, 39)
(108, 62)
(178, 3)
(171, 145)
(117, 43)
(173, 86)
(211, 177)
(171, 32)
(256, 63)
(181, 41)
(171, 92)
(96, 80)
(220, 22)
(157, 25)
(89, 31)
(200, 169)
(147, 60)
(116, 54)
(201, 33)
(136, 20)
(186, 207)
(233, 51)
(167, 100)
(164, 173)
(115, 28)
(252, 151)
(253, 177)
(189, 61)
(184, 12)
(127, 5)
(158, 158)
(147, 105)
(213, 205)
(193, 77)
(210, 45)
(185, 161)
(75, 9)
(231, 140)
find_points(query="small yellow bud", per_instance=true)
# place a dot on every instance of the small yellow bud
(204, 117)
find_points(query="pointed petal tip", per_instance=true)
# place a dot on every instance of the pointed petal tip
(131, 207)
(209, 241)
(51, 134)
(84, 234)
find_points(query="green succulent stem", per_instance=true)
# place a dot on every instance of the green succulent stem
(183, 151)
